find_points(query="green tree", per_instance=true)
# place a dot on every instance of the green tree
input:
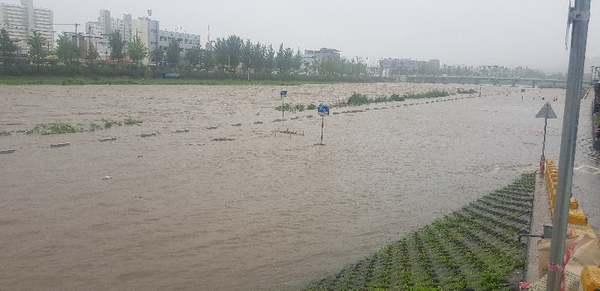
(279, 59)
(67, 50)
(228, 52)
(173, 51)
(157, 55)
(136, 49)
(208, 60)
(92, 54)
(36, 44)
(297, 61)
(7, 46)
(194, 56)
(116, 45)
(270, 59)
(257, 57)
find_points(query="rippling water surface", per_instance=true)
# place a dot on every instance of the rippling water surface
(259, 212)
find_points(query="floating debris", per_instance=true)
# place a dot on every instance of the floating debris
(9, 151)
(211, 127)
(237, 124)
(309, 116)
(148, 134)
(64, 144)
(295, 117)
(222, 139)
(106, 177)
(258, 122)
(182, 130)
(107, 139)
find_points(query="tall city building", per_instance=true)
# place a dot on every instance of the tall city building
(98, 31)
(21, 20)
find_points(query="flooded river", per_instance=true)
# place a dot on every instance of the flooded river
(258, 211)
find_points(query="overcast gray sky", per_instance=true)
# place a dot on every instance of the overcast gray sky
(471, 32)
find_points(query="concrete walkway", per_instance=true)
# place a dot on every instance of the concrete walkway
(541, 215)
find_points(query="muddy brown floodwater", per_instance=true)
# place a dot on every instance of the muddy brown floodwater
(253, 211)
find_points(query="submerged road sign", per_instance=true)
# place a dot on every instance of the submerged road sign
(546, 112)
(323, 110)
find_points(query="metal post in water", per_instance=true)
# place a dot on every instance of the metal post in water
(580, 16)
(322, 123)
(282, 109)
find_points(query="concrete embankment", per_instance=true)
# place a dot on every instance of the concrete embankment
(474, 248)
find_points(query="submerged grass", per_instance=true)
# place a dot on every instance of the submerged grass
(470, 91)
(474, 248)
(360, 99)
(61, 127)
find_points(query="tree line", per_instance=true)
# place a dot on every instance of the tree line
(231, 54)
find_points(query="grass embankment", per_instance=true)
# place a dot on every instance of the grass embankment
(134, 81)
(474, 248)
(61, 127)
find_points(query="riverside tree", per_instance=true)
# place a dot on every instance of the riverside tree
(7, 46)
(36, 44)
(92, 54)
(136, 49)
(116, 45)
(228, 52)
(194, 56)
(173, 51)
(67, 50)
(157, 55)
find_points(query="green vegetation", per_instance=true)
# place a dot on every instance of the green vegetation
(37, 43)
(54, 128)
(110, 123)
(137, 49)
(61, 127)
(470, 91)
(291, 108)
(7, 45)
(4, 132)
(473, 248)
(130, 121)
(360, 99)
(311, 107)
(128, 81)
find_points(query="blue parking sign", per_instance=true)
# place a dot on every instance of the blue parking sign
(283, 94)
(323, 110)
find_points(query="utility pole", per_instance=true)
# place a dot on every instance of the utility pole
(579, 16)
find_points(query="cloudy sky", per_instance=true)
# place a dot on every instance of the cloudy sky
(471, 32)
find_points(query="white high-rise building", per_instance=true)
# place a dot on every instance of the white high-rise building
(20, 20)
(99, 30)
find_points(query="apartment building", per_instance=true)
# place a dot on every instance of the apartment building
(98, 31)
(20, 20)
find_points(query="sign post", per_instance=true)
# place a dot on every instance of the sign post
(323, 110)
(579, 18)
(545, 113)
(522, 91)
(283, 94)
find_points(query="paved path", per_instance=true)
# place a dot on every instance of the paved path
(586, 186)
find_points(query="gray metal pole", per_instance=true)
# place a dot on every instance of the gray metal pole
(544, 145)
(322, 123)
(580, 16)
